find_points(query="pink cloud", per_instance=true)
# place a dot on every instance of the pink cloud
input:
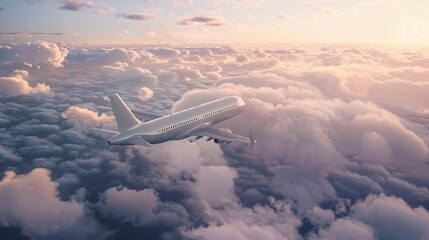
(17, 84)
(47, 213)
(87, 117)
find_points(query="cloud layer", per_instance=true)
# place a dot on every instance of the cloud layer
(342, 143)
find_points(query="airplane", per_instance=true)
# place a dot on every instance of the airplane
(195, 122)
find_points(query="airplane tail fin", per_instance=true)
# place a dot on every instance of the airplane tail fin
(125, 119)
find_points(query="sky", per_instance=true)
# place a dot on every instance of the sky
(390, 22)
(336, 96)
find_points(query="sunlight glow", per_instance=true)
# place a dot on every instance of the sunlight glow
(414, 33)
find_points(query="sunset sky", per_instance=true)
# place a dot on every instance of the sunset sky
(213, 21)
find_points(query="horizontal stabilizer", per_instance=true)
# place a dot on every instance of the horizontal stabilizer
(105, 132)
(252, 141)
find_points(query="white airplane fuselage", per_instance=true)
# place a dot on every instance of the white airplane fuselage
(178, 125)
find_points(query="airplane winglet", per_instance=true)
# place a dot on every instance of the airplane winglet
(252, 141)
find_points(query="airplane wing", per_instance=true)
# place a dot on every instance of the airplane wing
(145, 116)
(221, 135)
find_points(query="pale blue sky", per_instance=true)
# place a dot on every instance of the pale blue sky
(242, 21)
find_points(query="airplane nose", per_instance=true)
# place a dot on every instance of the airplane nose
(108, 142)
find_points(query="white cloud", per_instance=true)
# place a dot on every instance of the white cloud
(145, 93)
(16, 84)
(87, 117)
(37, 53)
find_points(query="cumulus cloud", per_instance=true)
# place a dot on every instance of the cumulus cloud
(321, 217)
(105, 57)
(145, 93)
(39, 52)
(86, 116)
(143, 208)
(165, 53)
(16, 84)
(187, 73)
(215, 185)
(136, 75)
(401, 92)
(275, 221)
(207, 21)
(346, 229)
(129, 205)
(392, 218)
(30, 202)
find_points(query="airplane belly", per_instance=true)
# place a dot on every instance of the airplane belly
(156, 138)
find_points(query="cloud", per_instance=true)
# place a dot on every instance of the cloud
(164, 53)
(32, 33)
(401, 92)
(145, 93)
(207, 21)
(136, 17)
(385, 213)
(275, 221)
(129, 205)
(143, 208)
(218, 192)
(321, 217)
(9, 155)
(346, 229)
(16, 84)
(39, 52)
(76, 5)
(187, 73)
(47, 215)
(104, 57)
(308, 191)
(136, 75)
(238, 229)
(331, 154)
(105, 10)
(86, 116)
